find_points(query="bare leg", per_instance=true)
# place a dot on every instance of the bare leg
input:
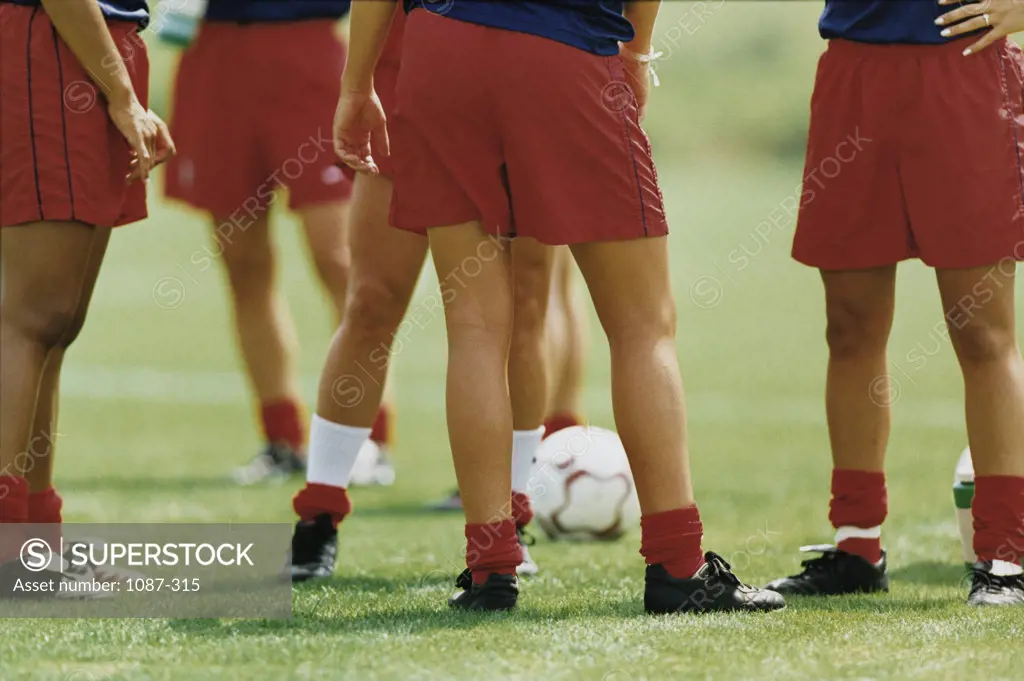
(566, 338)
(527, 365)
(49, 272)
(386, 264)
(266, 333)
(859, 307)
(478, 314)
(629, 283)
(326, 227)
(980, 316)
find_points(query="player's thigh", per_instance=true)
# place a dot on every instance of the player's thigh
(386, 262)
(326, 228)
(474, 270)
(49, 270)
(630, 285)
(245, 247)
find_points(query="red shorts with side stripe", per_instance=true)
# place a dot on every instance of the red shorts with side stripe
(531, 136)
(915, 151)
(253, 113)
(61, 158)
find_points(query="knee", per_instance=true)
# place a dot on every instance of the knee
(979, 343)
(53, 323)
(250, 270)
(642, 326)
(374, 308)
(855, 330)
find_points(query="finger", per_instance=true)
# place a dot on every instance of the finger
(968, 26)
(165, 143)
(142, 155)
(380, 140)
(974, 9)
(989, 38)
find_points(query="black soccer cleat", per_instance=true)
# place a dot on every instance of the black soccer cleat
(714, 588)
(988, 589)
(499, 592)
(834, 573)
(276, 462)
(314, 549)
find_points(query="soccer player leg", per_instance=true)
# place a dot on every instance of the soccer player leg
(386, 265)
(859, 396)
(268, 342)
(479, 305)
(326, 228)
(49, 271)
(566, 341)
(528, 379)
(631, 290)
(979, 307)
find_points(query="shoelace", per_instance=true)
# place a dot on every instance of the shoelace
(822, 563)
(721, 569)
(982, 580)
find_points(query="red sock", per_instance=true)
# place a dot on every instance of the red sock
(13, 512)
(284, 422)
(998, 509)
(522, 510)
(315, 499)
(860, 501)
(560, 421)
(44, 508)
(672, 538)
(381, 430)
(492, 548)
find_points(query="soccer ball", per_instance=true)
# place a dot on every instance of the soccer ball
(963, 494)
(373, 467)
(581, 486)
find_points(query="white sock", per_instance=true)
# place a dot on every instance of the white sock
(332, 452)
(524, 452)
(1002, 568)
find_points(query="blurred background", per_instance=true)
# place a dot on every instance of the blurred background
(155, 414)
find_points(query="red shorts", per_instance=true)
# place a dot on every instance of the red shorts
(61, 158)
(518, 125)
(915, 151)
(253, 112)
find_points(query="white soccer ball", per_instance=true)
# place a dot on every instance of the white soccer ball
(372, 467)
(581, 486)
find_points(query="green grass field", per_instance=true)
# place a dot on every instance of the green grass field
(155, 414)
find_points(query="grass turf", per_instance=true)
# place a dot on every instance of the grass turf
(155, 414)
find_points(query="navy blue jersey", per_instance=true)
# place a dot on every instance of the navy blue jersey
(883, 21)
(115, 10)
(593, 25)
(245, 11)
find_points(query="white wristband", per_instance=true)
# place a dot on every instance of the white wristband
(647, 59)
